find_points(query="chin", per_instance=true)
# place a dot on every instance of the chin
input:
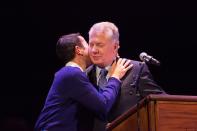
(100, 65)
(96, 62)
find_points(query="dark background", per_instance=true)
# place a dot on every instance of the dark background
(30, 29)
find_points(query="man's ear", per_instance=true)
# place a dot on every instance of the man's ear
(78, 50)
(117, 46)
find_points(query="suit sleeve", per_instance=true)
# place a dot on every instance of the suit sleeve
(147, 84)
(87, 95)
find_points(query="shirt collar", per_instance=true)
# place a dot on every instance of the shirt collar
(98, 70)
(73, 64)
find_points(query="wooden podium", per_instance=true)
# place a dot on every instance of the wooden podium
(159, 113)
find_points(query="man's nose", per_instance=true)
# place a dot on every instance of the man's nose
(94, 49)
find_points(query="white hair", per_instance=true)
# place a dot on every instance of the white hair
(106, 27)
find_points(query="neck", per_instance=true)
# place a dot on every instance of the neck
(80, 62)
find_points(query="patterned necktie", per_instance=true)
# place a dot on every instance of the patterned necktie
(102, 79)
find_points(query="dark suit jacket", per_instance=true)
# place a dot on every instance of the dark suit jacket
(137, 79)
(72, 101)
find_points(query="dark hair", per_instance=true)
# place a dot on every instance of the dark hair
(65, 47)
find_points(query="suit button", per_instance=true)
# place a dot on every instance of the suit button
(130, 92)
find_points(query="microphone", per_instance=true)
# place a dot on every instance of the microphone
(148, 59)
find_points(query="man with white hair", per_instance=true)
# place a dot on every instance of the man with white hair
(103, 50)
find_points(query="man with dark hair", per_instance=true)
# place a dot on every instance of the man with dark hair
(71, 94)
(103, 50)
(67, 44)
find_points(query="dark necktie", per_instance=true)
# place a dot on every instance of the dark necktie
(102, 79)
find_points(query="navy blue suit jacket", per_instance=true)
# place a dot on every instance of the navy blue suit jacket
(72, 102)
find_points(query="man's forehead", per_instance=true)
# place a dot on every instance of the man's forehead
(100, 37)
(101, 33)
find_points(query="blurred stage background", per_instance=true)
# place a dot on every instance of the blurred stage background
(30, 29)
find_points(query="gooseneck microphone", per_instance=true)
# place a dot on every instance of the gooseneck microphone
(148, 59)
